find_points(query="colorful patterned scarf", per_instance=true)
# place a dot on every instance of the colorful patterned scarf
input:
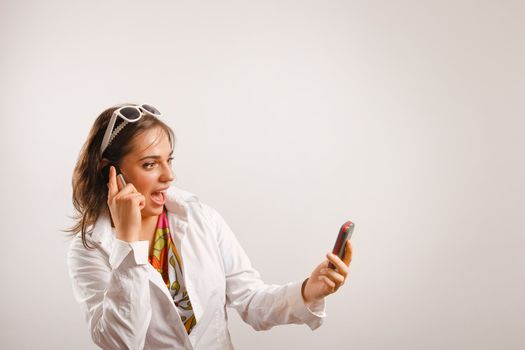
(166, 260)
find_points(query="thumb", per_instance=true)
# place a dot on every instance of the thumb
(348, 253)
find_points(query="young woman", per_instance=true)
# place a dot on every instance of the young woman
(152, 267)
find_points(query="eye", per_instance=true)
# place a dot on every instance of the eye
(170, 160)
(148, 165)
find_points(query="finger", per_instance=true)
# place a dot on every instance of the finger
(324, 264)
(328, 282)
(141, 200)
(321, 266)
(341, 267)
(348, 253)
(112, 184)
(128, 189)
(333, 276)
(135, 197)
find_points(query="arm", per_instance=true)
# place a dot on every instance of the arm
(113, 293)
(261, 305)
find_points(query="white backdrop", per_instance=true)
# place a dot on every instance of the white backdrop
(291, 116)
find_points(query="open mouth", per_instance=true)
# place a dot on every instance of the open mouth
(158, 197)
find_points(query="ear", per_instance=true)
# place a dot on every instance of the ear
(104, 162)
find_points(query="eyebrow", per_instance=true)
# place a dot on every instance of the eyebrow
(154, 156)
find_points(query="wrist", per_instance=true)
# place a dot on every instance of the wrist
(303, 291)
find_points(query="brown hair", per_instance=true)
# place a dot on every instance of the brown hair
(90, 190)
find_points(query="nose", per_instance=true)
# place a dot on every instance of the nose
(167, 174)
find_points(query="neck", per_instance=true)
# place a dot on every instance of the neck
(148, 227)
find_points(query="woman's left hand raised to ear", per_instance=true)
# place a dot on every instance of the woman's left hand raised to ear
(324, 280)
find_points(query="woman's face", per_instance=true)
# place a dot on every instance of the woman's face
(148, 168)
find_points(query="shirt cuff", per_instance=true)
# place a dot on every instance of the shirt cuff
(314, 314)
(121, 249)
(317, 308)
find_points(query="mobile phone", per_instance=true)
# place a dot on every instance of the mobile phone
(345, 233)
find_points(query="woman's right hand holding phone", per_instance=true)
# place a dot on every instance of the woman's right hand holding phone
(125, 204)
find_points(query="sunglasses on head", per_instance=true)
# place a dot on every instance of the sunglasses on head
(129, 114)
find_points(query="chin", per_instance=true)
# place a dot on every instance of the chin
(152, 211)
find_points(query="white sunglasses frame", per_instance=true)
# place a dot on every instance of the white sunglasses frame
(111, 133)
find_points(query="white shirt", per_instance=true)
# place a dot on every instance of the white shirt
(127, 305)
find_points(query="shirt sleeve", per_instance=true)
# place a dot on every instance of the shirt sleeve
(113, 292)
(261, 305)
